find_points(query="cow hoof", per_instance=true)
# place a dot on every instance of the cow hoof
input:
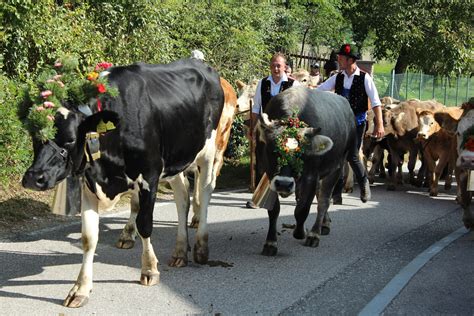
(325, 230)
(433, 193)
(371, 180)
(149, 279)
(75, 301)
(269, 250)
(176, 262)
(125, 244)
(312, 241)
(201, 254)
(299, 233)
(194, 223)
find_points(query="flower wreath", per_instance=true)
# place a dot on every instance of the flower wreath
(291, 144)
(468, 139)
(61, 83)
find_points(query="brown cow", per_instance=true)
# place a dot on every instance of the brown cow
(304, 77)
(464, 129)
(401, 129)
(439, 145)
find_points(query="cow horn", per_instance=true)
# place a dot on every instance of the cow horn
(240, 84)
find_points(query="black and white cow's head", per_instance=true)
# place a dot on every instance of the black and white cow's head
(282, 175)
(58, 158)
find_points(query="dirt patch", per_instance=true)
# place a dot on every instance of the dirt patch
(25, 211)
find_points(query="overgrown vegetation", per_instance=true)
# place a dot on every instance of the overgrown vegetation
(237, 38)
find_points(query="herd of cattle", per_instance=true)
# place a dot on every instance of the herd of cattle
(176, 118)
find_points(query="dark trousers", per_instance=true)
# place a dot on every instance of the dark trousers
(354, 162)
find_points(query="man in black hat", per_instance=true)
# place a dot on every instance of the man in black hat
(358, 87)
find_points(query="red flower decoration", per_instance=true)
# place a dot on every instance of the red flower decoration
(347, 49)
(103, 66)
(101, 88)
(469, 144)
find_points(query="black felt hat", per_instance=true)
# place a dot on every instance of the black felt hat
(350, 51)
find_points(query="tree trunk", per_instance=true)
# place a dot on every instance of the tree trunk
(302, 46)
(400, 68)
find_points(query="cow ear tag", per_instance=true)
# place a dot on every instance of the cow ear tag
(101, 127)
(104, 127)
(110, 125)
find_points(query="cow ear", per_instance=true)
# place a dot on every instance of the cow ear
(264, 124)
(320, 145)
(93, 123)
(240, 84)
(446, 121)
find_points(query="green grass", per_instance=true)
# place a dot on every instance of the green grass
(235, 175)
(383, 67)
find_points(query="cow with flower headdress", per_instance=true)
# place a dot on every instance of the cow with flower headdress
(123, 129)
(463, 128)
(307, 135)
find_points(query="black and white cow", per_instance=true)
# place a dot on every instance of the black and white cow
(330, 134)
(165, 121)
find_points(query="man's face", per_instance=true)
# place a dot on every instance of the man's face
(277, 67)
(344, 62)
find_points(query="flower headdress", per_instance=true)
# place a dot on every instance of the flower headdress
(468, 139)
(291, 144)
(61, 83)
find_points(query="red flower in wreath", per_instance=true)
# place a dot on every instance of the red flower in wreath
(101, 88)
(347, 49)
(469, 144)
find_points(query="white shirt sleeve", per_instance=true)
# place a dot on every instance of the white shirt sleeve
(257, 99)
(328, 85)
(371, 91)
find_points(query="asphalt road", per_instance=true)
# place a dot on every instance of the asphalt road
(369, 246)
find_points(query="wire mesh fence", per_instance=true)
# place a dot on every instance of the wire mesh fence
(447, 90)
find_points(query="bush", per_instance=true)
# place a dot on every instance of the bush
(15, 145)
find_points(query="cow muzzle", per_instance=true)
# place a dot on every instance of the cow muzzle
(37, 181)
(284, 186)
(466, 160)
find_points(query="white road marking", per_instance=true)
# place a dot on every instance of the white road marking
(377, 305)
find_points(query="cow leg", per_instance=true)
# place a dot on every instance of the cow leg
(206, 185)
(147, 197)
(412, 157)
(270, 248)
(437, 174)
(79, 294)
(196, 197)
(129, 232)
(430, 163)
(394, 162)
(348, 178)
(465, 199)
(308, 186)
(181, 197)
(324, 194)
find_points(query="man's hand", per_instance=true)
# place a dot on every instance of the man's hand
(379, 131)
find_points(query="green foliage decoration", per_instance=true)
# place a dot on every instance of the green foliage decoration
(61, 83)
(291, 144)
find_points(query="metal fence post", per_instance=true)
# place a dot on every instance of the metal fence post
(457, 90)
(392, 83)
(406, 86)
(445, 89)
(421, 83)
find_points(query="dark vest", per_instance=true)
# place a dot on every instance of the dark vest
(358, 98)
(266, 89)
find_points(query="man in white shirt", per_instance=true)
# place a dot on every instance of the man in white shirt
(268, 87)
(357, 87)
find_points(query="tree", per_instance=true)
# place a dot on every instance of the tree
(431, 36)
